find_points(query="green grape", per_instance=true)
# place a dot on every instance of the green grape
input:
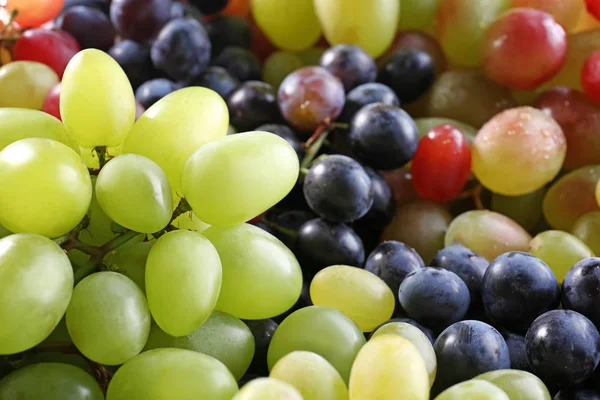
(460, 26)
(50, 381)
(526, 210)
(421, 225)
(570, 197)
(361, 295)
(370, 24)
(587, 229)
(183, 281)
(167, 374)
(416, 337)
(560, 250)
(312, 56)
(222, 336)
(58, 357)
(261, 276)
(417, 14)
(427, 124)
(321, 330)
(97, 104)
(108, 318)
(135, 193)
(130, 260)
(279, 65)
(191, 222)
(518, 385)
(4, 232)
(289, 24)
(36, 282)
(473, 390)
(172, 129)
(389, 365)
(487, 233)
(312, 375)
(268, 389)
(234, 179)
(47, 188)
(23, 123)
(99, 229)
(24, 84)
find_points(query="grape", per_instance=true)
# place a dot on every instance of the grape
(96, 115)
(418, 40)
(172, 129)
(218, 80)
(383, 209)
(290, 24)
(392, 261)
(526, 210)
(417, 14)
(309, 96)
(183, 281)
(139, 20)
(4, 232)
(521, 384)
(52, 103)
(261, 277)
(590, 76)
(267, 389)
(518, 151)
(228, 30)
(252, 104)
(37, 284)
(320, 330)
(487, 233)
(366, 94)
(108, 318)
(239, 62)
(386, 365)
(57, 192)
(149, 92)
(350, 64)
(286, 133)
(560, 250)
(473, 389)
(32, 13)
(279, 65)
(262, 330)
(567, 13)
(370, 25)
(516, 348)
(17, 124)
(150, 376)
(312, 56)
(50, 381)
(587, 229)
(258, 167)
(89, 26)
(135, 60)
(190, 222)
(409, 72)
(103, 5)
(130, 260)
(581, 289)
(24, 84)
(222, 336)
(427, 124)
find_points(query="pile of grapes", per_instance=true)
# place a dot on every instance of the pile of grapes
(299, 199)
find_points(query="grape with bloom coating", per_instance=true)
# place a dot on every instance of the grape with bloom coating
(268, 389)
(24, 84)
(517, 384)
(473, 390)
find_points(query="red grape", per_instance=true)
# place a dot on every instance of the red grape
(566, 12)
(442, 164)
(53, 48)
(593, 7)
(590, 76)
(524, 48)
(33, 13)
(52, 102)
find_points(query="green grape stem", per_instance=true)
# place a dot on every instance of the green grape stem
(102, 153)
(318, 138)
(285, 231)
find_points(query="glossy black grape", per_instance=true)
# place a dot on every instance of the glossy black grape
(517, 288)
(263, 331)
(350, 64)
(563, 347)
(217, 79)
(366, 94)
(286, 133)
(383, 136)
(581, 289)
(578, 394)
(152, 91)
(139, 20)
(229, 30)
(102, 5)
(392, 261)
(182, 49)
(135, 60)
(239, 62)
(290, 221)
(382, 210)
(321, 243)
(89, 26)
(409, 72)
(517, 350)
(252, 104)
(210, 6)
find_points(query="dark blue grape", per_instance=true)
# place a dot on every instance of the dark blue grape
(210, 6)
(563, 347)
(581, 289)
(383, 209)
(338, 189)
(366, 94)
(239, 62)
(89, 26)
(217, 79)
(152, 91)
(229, 30)
(287, 133)
(409, 72)
(252, 104)
(516, 348)
(185, 10)
(428, 332)
(262, 330)
(135, 60)
(182, 49)
(517, 288)
(290, 221)
(139, 20)
(392, 261)
(578, 394)
(383, 136)
(102, 5)
(350, 64)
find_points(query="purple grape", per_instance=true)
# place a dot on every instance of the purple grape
(89, 26)
(139, 20)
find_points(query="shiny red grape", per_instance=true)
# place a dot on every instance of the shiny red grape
(442, 164)
(593, 7)
(590, 76)
(523, 48)
(52, 102)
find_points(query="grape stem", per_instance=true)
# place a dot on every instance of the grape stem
(102, 156)
(315, 142)
(285, 231)
(475, 194)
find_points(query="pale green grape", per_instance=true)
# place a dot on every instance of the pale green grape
(47, 188)
(58, 357)
(416, 337)
(311, 56)
(289, 24)
(236, 178)
(183, 281)
(268, 389)
(427, 124)
(560, 250)
(370, 24)
(36, 282)
(167, 374)
(279, 65)
(174, 127)
(191, 222)
(222, 336)
(389, 365)
(473, 390)
(487, 233)
(130, 260)
(97, 104)
(526, 210)
(50, 381)
(135, 193)
(518, 385)
(312, 375)
(417, 14)
(321, 330)
(99, 229)
(24, 84)
(261, 276)
(108, 318)
(361, 295)
(587, 229)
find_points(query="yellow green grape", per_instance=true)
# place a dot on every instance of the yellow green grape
(526, 210)
(312, 56)
(417, 14)
(279, 65)
(268, 389)
(24, 84)
(130, 260)
(191, 222)
(473, 390)
(587, 229)
(518, 385)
